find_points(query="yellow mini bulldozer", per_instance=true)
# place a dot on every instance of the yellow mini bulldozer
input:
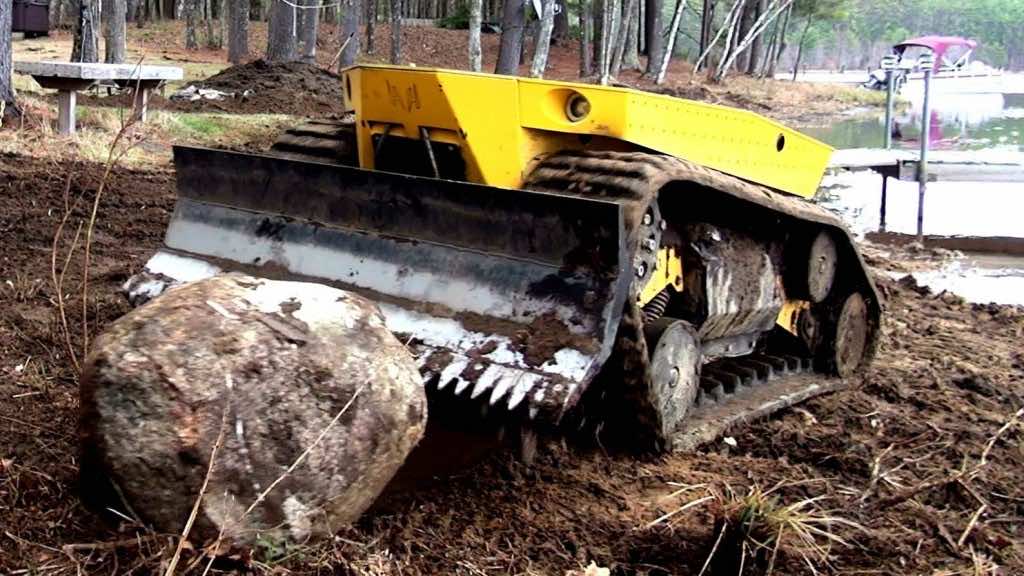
(543, 246)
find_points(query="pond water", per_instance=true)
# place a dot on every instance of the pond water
(986, 123)
(959, 122)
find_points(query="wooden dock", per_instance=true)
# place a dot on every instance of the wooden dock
(945, 165)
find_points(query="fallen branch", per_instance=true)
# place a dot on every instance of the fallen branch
(199, 497)
(114, 157)
(113, 545)
(963, 474)
(970, 525)
(295, 464)
(58, 279)
(340, 50)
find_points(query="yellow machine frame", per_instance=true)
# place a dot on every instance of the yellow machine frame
(502, 123)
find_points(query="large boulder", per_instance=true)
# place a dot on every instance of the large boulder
(281, 374)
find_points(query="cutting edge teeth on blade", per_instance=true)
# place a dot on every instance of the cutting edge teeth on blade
(428, 377)
(461, 386)
(486, 381)
(505, 382)
(524, 383)
(451, 372)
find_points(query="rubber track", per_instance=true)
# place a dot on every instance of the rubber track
(323, 141)
(633, 180)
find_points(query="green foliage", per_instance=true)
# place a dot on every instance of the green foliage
(271, 550)
(457, 21)
(202, 124)
(828, 10)
(998, 25)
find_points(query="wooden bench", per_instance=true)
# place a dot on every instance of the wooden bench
(68, 78)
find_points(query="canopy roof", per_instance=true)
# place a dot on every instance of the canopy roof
(938, 45)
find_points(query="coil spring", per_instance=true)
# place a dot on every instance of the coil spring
(656, 307)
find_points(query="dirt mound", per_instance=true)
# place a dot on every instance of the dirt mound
(292, 88)
(702, 93)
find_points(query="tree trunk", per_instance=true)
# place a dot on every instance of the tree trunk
(726, 27)
(371, 21)
(212, 36)
(396, 31)
(601, 40)
(56, 13)
(281, 32)
(631, 56)
(800, 47)
(561, 31)
(746, 23)
(597, 29)
(586, 38)
(543, 44)
(7, 105)
(762, 66)
(192, 8)
(622, 35)
(707, 22)
(238, 31)
(529, 32)
(780, 44)
(513, 19)
(222, 19)
(732, 20)
(729, 58)
(85, 47)
(349, 33)
(114, 30)
(673, 31)
(308, 31)
(610, 33)
(759, 8)
(655, 39)
(475, 58)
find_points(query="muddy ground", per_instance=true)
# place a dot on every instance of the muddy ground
(904, 459)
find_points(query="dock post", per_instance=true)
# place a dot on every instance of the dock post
(927, 63)
(889, 64)
(885, 200)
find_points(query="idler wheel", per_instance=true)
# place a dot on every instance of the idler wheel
(853, 331)
(811, 271)
(675, 371)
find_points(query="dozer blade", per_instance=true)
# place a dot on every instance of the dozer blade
(507, 295)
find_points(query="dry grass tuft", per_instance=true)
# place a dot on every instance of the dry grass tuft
(755, 526)
(767, 525)
(20, 288)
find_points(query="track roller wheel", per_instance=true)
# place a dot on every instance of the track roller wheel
(812, 271)
(852, 335)
(675, 371)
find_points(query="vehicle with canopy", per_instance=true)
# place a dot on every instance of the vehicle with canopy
(953, 60)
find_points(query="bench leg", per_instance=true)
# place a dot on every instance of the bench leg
(141, 102)
(66, 100)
